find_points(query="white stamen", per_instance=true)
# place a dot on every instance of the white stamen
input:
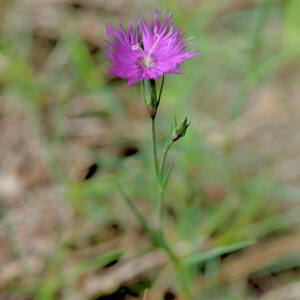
(156, 42)
(138, 47)
(147, 60)
(135, 47)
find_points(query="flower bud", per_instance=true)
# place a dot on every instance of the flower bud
(180, 129)
(150, 96)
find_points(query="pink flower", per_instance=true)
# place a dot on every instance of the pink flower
(147, 50)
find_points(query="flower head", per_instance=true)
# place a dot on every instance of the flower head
(146, 50)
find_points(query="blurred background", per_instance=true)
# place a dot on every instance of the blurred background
(70, 132)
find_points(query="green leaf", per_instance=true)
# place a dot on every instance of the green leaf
(213, 253)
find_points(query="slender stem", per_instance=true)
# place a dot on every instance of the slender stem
(160, 91)
(163, 160)
(159, 211)
(159, 240)
(158, 237)
(161, 180)
(154, 148)
(179, 267)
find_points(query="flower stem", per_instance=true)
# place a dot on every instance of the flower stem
(158, 240)
(163, 244)
(160, 91)
(163, 161)
(154, 148)
(178, 265)
(162, 184)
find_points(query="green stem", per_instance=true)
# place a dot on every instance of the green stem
(162, 181)
(179, 267)
(175, 260)
(154, 148)
(160, 91)
(163, 161)
(159, 240)
(158, 237)
(159, 212)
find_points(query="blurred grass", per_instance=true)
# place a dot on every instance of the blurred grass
(236, 175)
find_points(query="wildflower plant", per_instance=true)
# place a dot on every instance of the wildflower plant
(144, 53)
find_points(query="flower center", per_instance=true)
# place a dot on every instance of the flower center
(147, 60)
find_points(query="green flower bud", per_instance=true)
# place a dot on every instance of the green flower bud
(150, 96)
(180, 129)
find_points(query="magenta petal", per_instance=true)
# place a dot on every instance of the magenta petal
(147, 50)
